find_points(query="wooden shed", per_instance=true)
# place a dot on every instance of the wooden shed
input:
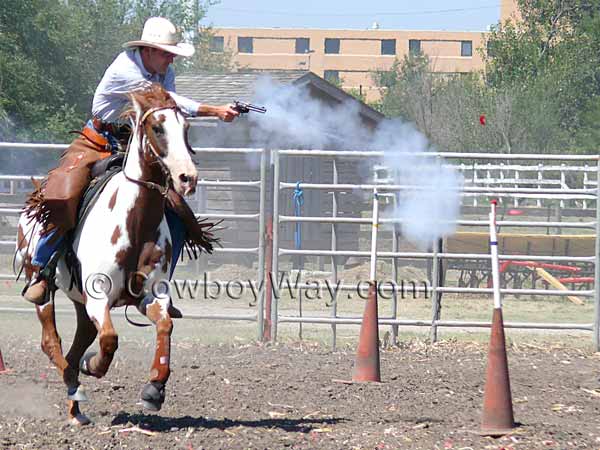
(217, 89)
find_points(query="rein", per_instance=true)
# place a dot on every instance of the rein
(164, 190)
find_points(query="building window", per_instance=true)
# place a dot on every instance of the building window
(333, 76)
(217, 44)
(332, 45)
(414, 47)
(466, 48)
(388, 46)
(302, 45)
(245, 45)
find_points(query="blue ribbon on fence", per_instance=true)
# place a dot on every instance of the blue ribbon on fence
(298, 202)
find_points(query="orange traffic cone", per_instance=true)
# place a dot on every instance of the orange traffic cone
(366, 367)
(498, 416)
(2, 366)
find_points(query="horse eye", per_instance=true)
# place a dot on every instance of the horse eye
(158, 129)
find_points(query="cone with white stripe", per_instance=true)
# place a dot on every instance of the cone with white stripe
(498, 418)
(366, 366)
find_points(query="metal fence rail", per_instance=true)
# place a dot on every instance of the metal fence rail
(540, 180)
(15, 184)
(520, 189)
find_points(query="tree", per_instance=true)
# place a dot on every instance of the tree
(54, 52)
(540, 90)
(552, 58)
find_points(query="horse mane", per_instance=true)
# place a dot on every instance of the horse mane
(150, 97)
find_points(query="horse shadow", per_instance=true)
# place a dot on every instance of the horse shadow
(162, 424)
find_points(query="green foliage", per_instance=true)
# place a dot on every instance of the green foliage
(207, 60)
(540, 91)
(54, 52)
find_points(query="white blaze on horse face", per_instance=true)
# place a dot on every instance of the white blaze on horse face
(178, 160)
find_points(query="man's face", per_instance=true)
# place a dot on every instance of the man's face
(158, 61)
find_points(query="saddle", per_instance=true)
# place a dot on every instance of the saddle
(101, 173)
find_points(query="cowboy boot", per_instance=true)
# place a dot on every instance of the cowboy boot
(43, 280)
(198, 234)
(36, 290)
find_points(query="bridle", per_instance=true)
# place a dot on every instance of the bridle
(149, 148)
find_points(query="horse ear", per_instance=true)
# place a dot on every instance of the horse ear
(137, 107)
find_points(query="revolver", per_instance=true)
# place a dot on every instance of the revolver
(243, 107)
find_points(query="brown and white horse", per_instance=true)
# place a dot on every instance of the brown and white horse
(125, 249)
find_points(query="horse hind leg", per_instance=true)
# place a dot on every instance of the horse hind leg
(51, 342)
(85, 335)
(153, 393)
(52, 347)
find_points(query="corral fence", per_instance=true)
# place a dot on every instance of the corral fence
(550, 201)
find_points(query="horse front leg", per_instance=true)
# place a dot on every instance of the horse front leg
(157, 310)
(97, 364)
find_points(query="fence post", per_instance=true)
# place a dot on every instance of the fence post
(474, 182)
(334, 273)
(563, 182)
(596, 337)
(261, 244)
(516, 200)
(585, 183)
(395, 232)
(436, 297)
(540, 177)
(275, 259)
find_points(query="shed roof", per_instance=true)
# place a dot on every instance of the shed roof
(221, 88)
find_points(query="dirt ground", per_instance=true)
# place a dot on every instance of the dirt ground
(253, 396)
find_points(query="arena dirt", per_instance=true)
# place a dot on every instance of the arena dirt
(252, 396)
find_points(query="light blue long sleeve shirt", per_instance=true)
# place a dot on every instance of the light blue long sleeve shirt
(125, 74)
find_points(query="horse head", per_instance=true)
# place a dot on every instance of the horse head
(160, 135)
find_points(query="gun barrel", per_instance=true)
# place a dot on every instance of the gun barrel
(244, 107)
(259, 109)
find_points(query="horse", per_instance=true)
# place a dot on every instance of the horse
(124, 249)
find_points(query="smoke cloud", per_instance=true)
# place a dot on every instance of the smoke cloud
(294, 119)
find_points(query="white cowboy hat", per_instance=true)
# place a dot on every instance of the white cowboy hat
(160, 33)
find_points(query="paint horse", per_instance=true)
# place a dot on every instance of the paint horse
(124, 247)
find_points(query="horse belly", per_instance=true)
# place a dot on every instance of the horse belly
(104, 240)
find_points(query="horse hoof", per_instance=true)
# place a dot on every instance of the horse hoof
(154, 407)
(77, 394)
(153, 395)
(79, 420)
(84, 363)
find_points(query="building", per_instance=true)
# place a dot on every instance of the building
(218, 89)
(509, 9)
(348, 57)
(209, 132)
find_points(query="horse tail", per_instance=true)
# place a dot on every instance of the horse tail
(27, 239)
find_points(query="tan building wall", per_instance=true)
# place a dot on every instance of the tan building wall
(509, 9)
(360, 51)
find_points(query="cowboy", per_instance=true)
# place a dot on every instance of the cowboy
(55, 202)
